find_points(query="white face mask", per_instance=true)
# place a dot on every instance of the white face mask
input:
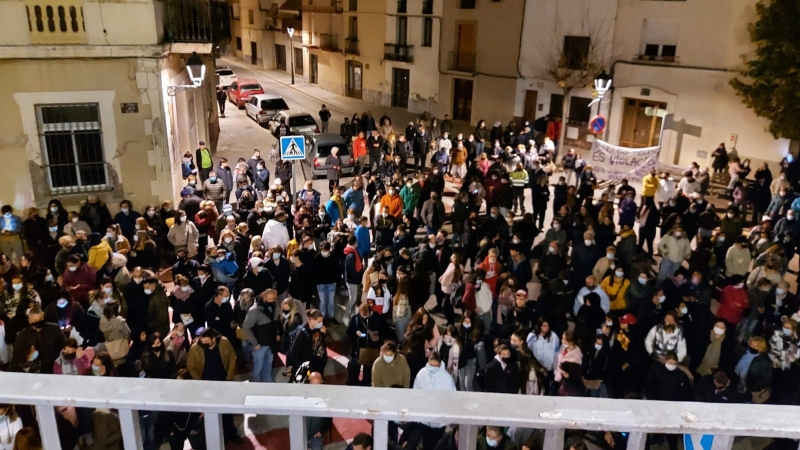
(17, 286)
(148, 291)
(661, 299)
(587, 242)
(671, 366)
(183, 218)
(325, 254)
(228, 240)
(678, 235)
(619, 273)
(610, 255)
(276, 255)
(74, 220)
(388, 358)
(598, 346)
(684, 310)
(718, 331)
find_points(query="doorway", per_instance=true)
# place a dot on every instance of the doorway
(354, 73)
(400, 87)
(531, 99)
(298, 61)
(280, 57)
(462, 99)
(253, 53)
(313, 61)
(641, 123)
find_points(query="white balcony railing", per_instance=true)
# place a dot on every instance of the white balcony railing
(470, 410)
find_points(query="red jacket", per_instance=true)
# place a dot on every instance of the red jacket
(492, 273)
(554, 130)
(732, 304)
(79, 283)
(359, 148)
(469, 297)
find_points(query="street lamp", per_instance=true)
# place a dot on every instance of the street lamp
(602, 83)
(290, 30)
(197, 72)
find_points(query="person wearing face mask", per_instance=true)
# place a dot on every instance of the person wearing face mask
(366, 331)
(502, 372)
(391, 369)
(276, 234)
(432, 377)
(218, 314)
(261, 330)
(256, 277)
(96, 213)
(279, 271)
(184, 234)
(157, 307)
(783, 303)
(126, 218)
(719, 352)
(755, 370)
(666, 337)
(674, 249)
(212, 358)
(79, 279)
(73, 360)
(185, 304)
(393, 202)
(616, 286)
(309, 344)
(666, 382)
(44, 339)
(223, 266)
(328, 272)
(591, 287)
(157, 362)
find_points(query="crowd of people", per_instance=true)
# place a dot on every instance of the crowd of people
(243, 275)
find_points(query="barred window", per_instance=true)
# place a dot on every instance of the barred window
(72, 144)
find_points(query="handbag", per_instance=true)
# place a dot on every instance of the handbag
(117, 349)
(367, 356)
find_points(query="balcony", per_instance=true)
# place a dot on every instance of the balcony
(427, 7)
(351, 46)
(329, 42)
(196, 21)
(398, 52)
(323, 6)
(461, 62)
(297, 24)
(631, 420)
(55, 21)
(658, 58)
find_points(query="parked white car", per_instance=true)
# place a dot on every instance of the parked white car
(225, 77)
(263, 107)
(299, 122)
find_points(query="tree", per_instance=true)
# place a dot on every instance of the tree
(770, 83)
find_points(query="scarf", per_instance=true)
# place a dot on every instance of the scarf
(713, 351)
(177, 342)
(180, 294)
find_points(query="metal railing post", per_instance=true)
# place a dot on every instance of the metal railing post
(380, 435)
(553, 439)
(48, 428)
(131, 429)
(467, 437)
(297, 433)
(636, 441)
(213, 427)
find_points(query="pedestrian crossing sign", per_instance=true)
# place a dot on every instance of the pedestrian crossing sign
(293, 148)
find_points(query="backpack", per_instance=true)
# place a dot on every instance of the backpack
(293, 336)
(457, 297)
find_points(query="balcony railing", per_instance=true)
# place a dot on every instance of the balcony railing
(398, 52)
(329, 42)
(324, 6)
(427, 7)
(351, 46)
(469, 410)
(462, 62)
(187, 21)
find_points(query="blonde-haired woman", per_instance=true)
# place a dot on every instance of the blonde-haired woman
(227, 239)
(290, 319)
(183, 233)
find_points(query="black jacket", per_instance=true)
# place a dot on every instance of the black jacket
(48, 342)
(499, 380)
(309, 345)
(327, 270)
(668, 385)
(299, 287)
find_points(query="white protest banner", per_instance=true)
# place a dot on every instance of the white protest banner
(610, 162)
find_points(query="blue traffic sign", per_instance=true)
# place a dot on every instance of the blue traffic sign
(293, 148)
(698, 441)
(597, 124)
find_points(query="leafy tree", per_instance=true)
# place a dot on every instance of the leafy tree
(770, 83)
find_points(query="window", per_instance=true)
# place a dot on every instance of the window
(579, 110)
(298, 61)
(250, 17)
(301, 121)
(427, 6)
(402, 6)
(576, 52)
(252, 87)
(427, 32)
(668, 50)
(274, 104)
(556, 105)
(72, 140)
(239, 43)
(468, 4)
(352, 27)
(402, 30)
(353, 5)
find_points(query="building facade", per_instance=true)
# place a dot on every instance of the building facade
(677, 58)
(85, 102)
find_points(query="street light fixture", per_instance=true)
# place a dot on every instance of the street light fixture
(290, 30)
(602, 83)
(197, 72)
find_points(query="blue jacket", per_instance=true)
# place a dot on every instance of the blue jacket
(15, 224)
(187, 169)
(225, 270)
(354, 199)
(333, 211)
(313, 197)
(262, 179)
(362, 236)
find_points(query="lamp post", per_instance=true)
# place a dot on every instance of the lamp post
(290, 30)
(197, 73)
(602, 83)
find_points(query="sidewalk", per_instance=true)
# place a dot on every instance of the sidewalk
(345, 106)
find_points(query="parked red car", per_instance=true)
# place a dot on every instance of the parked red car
(241, 91)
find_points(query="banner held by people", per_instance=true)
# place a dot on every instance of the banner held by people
(614, 163)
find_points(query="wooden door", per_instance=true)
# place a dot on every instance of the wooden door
(531, 99)
(253, 53)
(354, 73)
(400, 87)
(641, 123)
(280, 57)
(462, 99)
(314, 63)
(466, 47)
